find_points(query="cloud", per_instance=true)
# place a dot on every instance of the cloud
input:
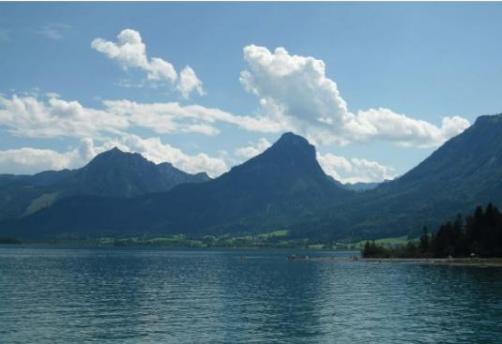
(54, 31)
(172, 117)
(29, 116)
(387, 125)
(295, 92)
(189, 82)
(28, 160)
(53, 117)
(155, 150)
(253, 149)
(354, 170)
(49, 117)
(31, 160)
(162, 118)
(130, 52)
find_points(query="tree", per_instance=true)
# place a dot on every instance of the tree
(479, 233)
(424, 241)
(367, 250)
(372, 250)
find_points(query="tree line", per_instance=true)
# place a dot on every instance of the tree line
(479, 234)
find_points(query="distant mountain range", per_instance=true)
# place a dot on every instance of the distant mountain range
(111, 174)
(283, 188)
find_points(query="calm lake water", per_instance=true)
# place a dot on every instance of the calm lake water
(161, 296)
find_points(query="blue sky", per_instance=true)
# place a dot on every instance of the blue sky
(377, 87)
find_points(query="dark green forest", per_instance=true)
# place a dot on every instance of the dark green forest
(477, 235)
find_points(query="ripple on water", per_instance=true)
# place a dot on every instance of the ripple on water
(151, 296)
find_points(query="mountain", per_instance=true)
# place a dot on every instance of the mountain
(113, 173)
(285, 188)
(173, 176)
(464, 172)
(22, 194)
(119, 174)
(267, 192)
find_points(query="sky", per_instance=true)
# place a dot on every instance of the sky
(376, 87)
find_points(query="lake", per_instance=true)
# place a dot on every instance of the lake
(130, 295)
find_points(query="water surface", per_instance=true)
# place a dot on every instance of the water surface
(128, 295)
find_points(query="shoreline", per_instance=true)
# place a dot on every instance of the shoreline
(461, 262)
(465, 262)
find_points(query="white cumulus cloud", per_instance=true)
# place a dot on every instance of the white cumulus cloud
(354, 170)
(130, 52)
(295, 92)
(29, 116)
(28, 160)
(253, 149)
(189, 82)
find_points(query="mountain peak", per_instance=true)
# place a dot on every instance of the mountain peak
(119, 173)
(292, 147)
(115, 149)
(116, 156)
(290, 138)
(290, 159)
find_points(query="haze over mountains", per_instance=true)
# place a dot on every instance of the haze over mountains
(283, 188)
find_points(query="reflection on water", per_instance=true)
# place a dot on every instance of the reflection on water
(156, 296)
